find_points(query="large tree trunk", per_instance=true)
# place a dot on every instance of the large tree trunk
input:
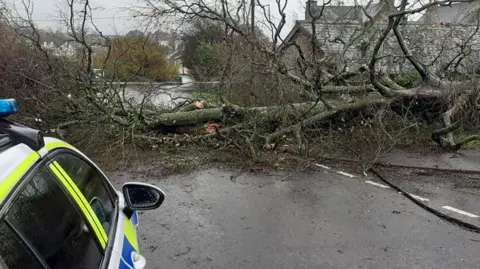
(219, 114)
(309, 122)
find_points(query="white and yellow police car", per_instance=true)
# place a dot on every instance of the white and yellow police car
(57, 208)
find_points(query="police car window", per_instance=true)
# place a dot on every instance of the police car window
(46, 217)
(89, 181)
(13, 254)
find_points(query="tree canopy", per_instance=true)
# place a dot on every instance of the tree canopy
(136, 57)
(204, 43)
(199, 44)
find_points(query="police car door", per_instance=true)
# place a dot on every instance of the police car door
(42, 226)
(105, 205)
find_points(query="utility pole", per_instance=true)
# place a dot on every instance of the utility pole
(252, 3)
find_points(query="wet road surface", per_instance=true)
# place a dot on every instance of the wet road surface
(212, 219)
(440, 190)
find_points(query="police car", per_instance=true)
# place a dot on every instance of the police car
(57, 208)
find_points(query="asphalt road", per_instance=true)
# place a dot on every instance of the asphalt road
(441, 189)
(302, 220)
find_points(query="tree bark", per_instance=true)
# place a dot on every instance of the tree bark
(306, 123)
(348, 89)
(218, 114)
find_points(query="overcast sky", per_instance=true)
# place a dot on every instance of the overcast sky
(112, 16)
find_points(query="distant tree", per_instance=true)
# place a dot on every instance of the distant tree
(205, 46)
(198, 46)
(136, 57)
(158, 35)
(206, 61)
(135, 33)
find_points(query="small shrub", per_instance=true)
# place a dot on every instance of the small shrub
(406, 79)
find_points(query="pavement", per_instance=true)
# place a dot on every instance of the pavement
(313, 219)
(464, 160)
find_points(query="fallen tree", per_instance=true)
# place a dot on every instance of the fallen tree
(304, 115)
(296, 110)
(277, 98)
(263, 125)
(453, 95)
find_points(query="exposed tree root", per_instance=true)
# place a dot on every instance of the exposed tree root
(444, 136)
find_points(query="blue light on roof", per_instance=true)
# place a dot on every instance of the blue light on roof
(8, 107)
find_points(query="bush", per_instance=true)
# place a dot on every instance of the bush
(136, 58)
(406, 79)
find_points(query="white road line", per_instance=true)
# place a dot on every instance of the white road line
(322, 166)
(377, 184)
(345, 174)
(460, 211)
(419, 197)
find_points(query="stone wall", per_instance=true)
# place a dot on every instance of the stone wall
(434, 45)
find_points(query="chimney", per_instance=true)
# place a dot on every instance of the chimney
(311, 8)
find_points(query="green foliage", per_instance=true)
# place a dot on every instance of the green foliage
(206, 61)
(209, 45)
(417, 136)
(463, 134)
(204, 54)
(209, 96)
(136, 57)
(199, 45)
(406, 79)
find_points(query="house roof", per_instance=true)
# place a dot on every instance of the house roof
(340, 18)
(296, 28)
(343, 13)
(455, 13)
(305, 27)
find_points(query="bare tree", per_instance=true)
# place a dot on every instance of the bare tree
(276, 87)
(317, 67)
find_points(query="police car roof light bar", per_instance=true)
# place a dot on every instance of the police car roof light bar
(8, 107)
(18, 133)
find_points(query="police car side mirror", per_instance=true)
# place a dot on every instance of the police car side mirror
(142, 196)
